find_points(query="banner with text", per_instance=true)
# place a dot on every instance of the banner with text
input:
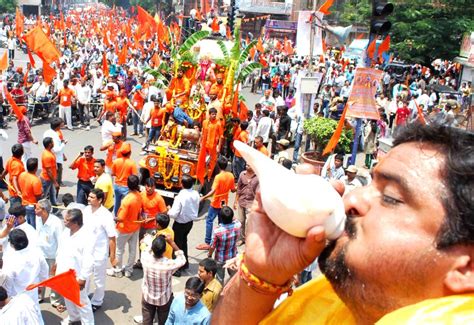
(362, 97)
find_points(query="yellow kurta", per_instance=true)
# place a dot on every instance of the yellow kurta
(316, 303)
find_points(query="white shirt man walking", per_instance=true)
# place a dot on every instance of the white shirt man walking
(76, 251)
(100, 222)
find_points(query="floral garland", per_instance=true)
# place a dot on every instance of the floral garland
(177, 143)
(163, 154)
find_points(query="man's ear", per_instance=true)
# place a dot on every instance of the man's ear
(460, 279)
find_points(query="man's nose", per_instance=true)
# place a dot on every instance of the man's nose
(358, 202)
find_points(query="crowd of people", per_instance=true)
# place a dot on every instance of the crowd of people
(115, 214)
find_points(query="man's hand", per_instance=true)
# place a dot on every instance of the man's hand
(10, 222)
(82, 283)
(272, 254)
(35, 141)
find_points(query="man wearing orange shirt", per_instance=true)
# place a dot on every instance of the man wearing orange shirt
(223, 184)
(211, 142)
(113, 149)
(49, 171)
(31, 189)
(14, 168)
(156, 117)
(258, 143)
(110, 104)
(238, 165)
(138, 100)
(179, 88)
(128, 225)
(65, 96)
(123, 104)
(84, 163)
(218, 86)
(122, 168)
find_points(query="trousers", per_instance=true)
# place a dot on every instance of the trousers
(83, 314)
(181, 232)
(65, 113)
(149, 312)
(132, 240)
(100, 269)
(212, 213)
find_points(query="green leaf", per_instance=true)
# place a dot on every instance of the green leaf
(245, 53)
(235, 50)
(223, 49)
(248, 70)
(192, 40)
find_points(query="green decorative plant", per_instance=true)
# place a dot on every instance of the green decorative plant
(320, 131)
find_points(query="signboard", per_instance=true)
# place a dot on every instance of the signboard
(361, 102)
(310, 85)
(304, 32)
(281, 24)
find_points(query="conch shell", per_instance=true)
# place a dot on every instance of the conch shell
(295, 203)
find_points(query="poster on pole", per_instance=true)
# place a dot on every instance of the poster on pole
(362, 98)
(303, 35)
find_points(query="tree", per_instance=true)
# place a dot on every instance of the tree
(421, 30)
(8, 6)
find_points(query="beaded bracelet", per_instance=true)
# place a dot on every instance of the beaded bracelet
(260, 285)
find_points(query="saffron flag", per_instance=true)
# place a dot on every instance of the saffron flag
(325, 7)
(235, 102)
(30, 57)
(39, 43)
(362, 96)
(48, 73)
(105, 65)
(337, 133)
(288, 48)
(215, 25)
(371, 49)
(384, 46)
(243, 113)
(156, 60)
(260, 45)
(15, 108)
(19, 21)
(65, 284)
(122, 56)
(4, 61)
(421, 117)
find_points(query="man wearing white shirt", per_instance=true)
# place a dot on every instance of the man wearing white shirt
(58, 144)
(17, 220)
(75, 251)
(23, 266)
(264, 127)
(20, 309)
(49, 229)
(184, 210)
(100, 222)
(252, 128)
(84, 94)
(109, 127)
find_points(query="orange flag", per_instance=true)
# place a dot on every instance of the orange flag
(325, 48)
(325, 7)
(4, 61)
(384, 46)
(336, 135)
(371, 49)
(31, 58)
(259, 46)
(278, 45)
(243, 113)
(252, 53)
(65, 284)
(122, 56)
(39, 43)
(19, 21)
(288, 48)
(263, 61)
(105, 65)
(421, 117)
(156, 60)
(83, 70)
(16, 109)
(48, 73)
(360, 36)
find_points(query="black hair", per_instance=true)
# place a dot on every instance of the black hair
(457, 146)
(76, 216)
(209, 265)
(18, 239)
(195, 284)
(100, 195)
(47, 142)
(89, 148)
(100, 161)
(150, 182)
(67, 199)
(339, 157)
(187, 181)
(287, 163)
(244, 125)
(163, 220)
(32, 164)
(55, 123)
(222, 162)
(3, 294)
(17, 150)
(226, 215)
(133, 183)
(17, 210)
(266, 112)
(158, 246)
(212, 110)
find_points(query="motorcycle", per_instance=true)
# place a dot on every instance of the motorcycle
(38, 109)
